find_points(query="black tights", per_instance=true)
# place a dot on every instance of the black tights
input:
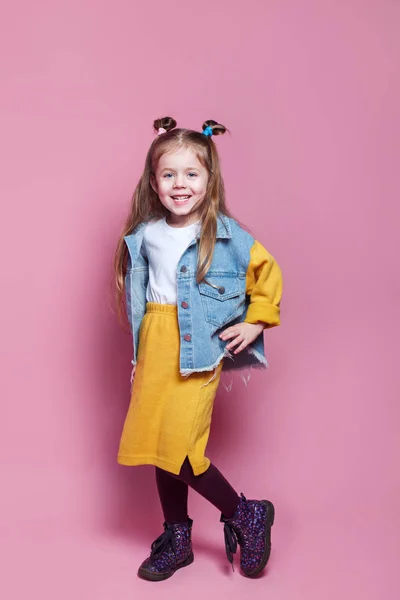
(212, 485)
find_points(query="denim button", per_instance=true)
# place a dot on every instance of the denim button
(187, 337)
(183, 269)
(185, 305)
(221, 290)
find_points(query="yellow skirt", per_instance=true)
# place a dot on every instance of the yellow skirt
(169, 415)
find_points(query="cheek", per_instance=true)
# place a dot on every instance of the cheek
(163, 186)
(200, 184)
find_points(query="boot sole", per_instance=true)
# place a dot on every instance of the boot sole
(269, 521)
(149, 576)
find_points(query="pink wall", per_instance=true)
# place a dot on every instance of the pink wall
(310, 91)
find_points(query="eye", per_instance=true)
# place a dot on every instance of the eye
(192, 174)
(167, 175)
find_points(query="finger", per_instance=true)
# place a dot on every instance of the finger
(228, 334)
(234, 342)
(242, 346)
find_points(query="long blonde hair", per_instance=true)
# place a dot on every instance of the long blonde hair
(146, 204)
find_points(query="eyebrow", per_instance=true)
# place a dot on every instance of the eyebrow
(188, 169)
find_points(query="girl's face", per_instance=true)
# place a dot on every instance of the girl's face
(181, 184)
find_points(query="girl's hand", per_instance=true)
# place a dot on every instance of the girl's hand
(242, 334)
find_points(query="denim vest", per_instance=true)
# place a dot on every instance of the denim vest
(203, 309)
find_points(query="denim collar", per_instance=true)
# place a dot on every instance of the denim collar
(134, 240)
(223, 228)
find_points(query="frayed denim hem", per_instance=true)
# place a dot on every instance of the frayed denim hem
(244, 371)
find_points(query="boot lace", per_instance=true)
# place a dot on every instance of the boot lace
(232, 537)
(231, 542)
(164, 541)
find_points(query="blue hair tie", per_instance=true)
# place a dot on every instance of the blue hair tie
(208, 131)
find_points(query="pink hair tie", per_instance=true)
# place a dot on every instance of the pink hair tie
(161, 130)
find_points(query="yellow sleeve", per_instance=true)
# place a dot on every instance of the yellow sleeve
(264, 286)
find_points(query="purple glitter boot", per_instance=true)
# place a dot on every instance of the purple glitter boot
(251, 527)
(169, 552)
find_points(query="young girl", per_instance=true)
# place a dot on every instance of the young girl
(199, 291)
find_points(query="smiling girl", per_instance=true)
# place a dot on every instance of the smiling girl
(199, 291)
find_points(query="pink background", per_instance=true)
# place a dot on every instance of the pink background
(310, 91)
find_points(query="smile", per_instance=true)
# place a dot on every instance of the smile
(180, 198)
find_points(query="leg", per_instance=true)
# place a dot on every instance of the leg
(213, 486)
(247, 522)
(173, 495)
(172, 550)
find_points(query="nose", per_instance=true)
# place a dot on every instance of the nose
(179, 183)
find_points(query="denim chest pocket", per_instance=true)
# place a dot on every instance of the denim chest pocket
(223, 297)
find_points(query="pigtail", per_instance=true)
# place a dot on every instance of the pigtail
(213, 127)
(166, 123)
(215, 203)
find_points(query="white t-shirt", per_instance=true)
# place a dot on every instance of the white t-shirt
(163, 247)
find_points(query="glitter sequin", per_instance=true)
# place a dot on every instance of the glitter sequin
(251, 528)
(169, 552)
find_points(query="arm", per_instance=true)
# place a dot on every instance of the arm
(264, 287)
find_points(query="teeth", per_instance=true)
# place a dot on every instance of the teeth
(181, 197)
